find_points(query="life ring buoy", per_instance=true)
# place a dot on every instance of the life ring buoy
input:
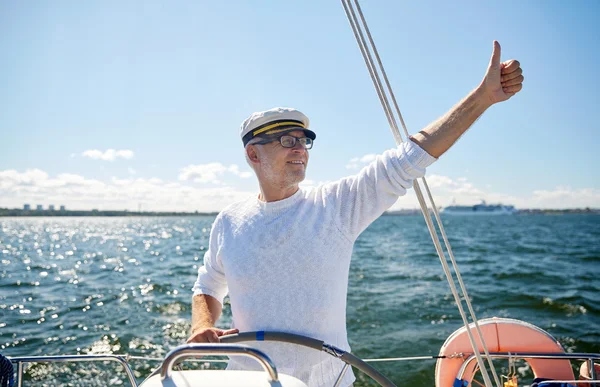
(586, 374)
(501, 335)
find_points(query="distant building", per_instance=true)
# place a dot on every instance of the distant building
(62, 208)
(51, 207)
(26, 207)
(39, 207)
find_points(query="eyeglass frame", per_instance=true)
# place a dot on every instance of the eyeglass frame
(296, 140)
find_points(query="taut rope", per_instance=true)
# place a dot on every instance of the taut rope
(381, 92)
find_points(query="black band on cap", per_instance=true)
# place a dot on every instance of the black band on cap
(263, 129)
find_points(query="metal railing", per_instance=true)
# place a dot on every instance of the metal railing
(541, 355)
(187, 351)
(20, 360)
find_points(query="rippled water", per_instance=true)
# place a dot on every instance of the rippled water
(122, 285)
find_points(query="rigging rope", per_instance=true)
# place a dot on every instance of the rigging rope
(373, 72)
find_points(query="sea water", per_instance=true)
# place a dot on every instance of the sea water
(123, 285)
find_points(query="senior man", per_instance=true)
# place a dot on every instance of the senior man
(283, 256)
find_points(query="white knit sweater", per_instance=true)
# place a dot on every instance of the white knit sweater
(285, 264)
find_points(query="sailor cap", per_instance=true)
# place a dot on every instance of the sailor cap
(274, 121)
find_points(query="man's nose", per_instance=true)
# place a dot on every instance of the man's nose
(298, 147)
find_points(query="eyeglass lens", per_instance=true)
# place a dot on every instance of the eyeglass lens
(290, 141)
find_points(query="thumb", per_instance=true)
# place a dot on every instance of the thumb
(495, 60)
(230, 332)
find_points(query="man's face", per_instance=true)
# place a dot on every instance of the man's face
(283, 166)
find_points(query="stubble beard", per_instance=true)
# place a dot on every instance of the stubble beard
(286, 179)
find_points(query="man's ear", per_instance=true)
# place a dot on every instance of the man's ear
(252, 154)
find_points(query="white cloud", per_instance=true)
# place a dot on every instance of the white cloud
(108, 155)
(75, 180)
(204, 173)
(233, 168)
(359, 162)
(568, 197)
(446, 191)
(29, 177)
(79, 192)
(437, 181)
(120, 182)
(210, 173)
(35, 186)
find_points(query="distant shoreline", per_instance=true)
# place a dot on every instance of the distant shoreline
(5, 212)
(526, 211)
(37, 213)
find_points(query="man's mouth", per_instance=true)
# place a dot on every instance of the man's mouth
(298, 162)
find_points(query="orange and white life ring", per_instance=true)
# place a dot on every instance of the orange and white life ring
(585, 372)
(501, 335)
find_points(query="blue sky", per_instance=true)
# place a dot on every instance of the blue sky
(165, 85)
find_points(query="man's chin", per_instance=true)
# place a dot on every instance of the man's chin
(297, 177)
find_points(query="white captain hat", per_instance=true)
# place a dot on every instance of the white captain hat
(274, 121)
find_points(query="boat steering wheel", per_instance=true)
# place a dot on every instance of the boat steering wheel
(309, 342)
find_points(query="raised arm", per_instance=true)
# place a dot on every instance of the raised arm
(502, 80)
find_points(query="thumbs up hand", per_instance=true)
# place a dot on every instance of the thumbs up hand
(502, 79)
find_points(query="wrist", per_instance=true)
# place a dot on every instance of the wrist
(482, 97)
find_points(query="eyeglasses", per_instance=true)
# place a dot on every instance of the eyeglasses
(290, 141)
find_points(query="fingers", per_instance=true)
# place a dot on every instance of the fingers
(510, 66)
(508, 76)
(511, 77)
(514, 81)
(511, 90)
(193, 338)
(212, 336)
(197, 338)
(205, 336)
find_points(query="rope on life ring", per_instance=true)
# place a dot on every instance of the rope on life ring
(502, 335)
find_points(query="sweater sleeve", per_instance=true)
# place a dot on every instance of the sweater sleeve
(211, 277)
(360, 199)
